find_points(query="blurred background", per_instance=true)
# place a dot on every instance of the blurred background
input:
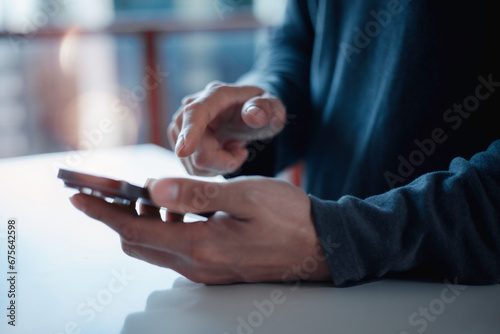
(91, 74)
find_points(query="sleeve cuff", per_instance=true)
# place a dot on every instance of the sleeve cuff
(337, 247)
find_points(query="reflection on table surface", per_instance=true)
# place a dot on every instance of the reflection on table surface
(73, 277)
(380, 307)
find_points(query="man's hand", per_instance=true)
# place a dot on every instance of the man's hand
(262, 230)
(211, 128)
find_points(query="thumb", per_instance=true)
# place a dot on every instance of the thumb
(255, 117)
(264, 111)
(194, 196)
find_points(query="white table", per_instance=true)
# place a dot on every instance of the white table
(72, 276)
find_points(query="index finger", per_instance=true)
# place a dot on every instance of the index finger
(204, 109)
(149, 232)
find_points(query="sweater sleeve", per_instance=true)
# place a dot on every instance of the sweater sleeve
(283, 69)
(443, 225)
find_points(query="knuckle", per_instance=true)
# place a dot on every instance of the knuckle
(223, 90)
(217, 89)
(195, 107)
(188, 99)
(213, 85)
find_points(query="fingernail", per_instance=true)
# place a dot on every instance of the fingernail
(174, 191)
(180, 144)
(256, 113)
(166, 193)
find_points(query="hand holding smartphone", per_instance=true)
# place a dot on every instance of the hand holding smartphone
(118, 191)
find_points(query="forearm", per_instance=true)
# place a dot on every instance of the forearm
(442, 225)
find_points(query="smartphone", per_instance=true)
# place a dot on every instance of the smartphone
(116, 190)
(119, 191)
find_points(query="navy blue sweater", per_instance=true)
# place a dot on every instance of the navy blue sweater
(391, 106)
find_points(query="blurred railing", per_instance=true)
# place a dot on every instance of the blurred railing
(149, 31)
